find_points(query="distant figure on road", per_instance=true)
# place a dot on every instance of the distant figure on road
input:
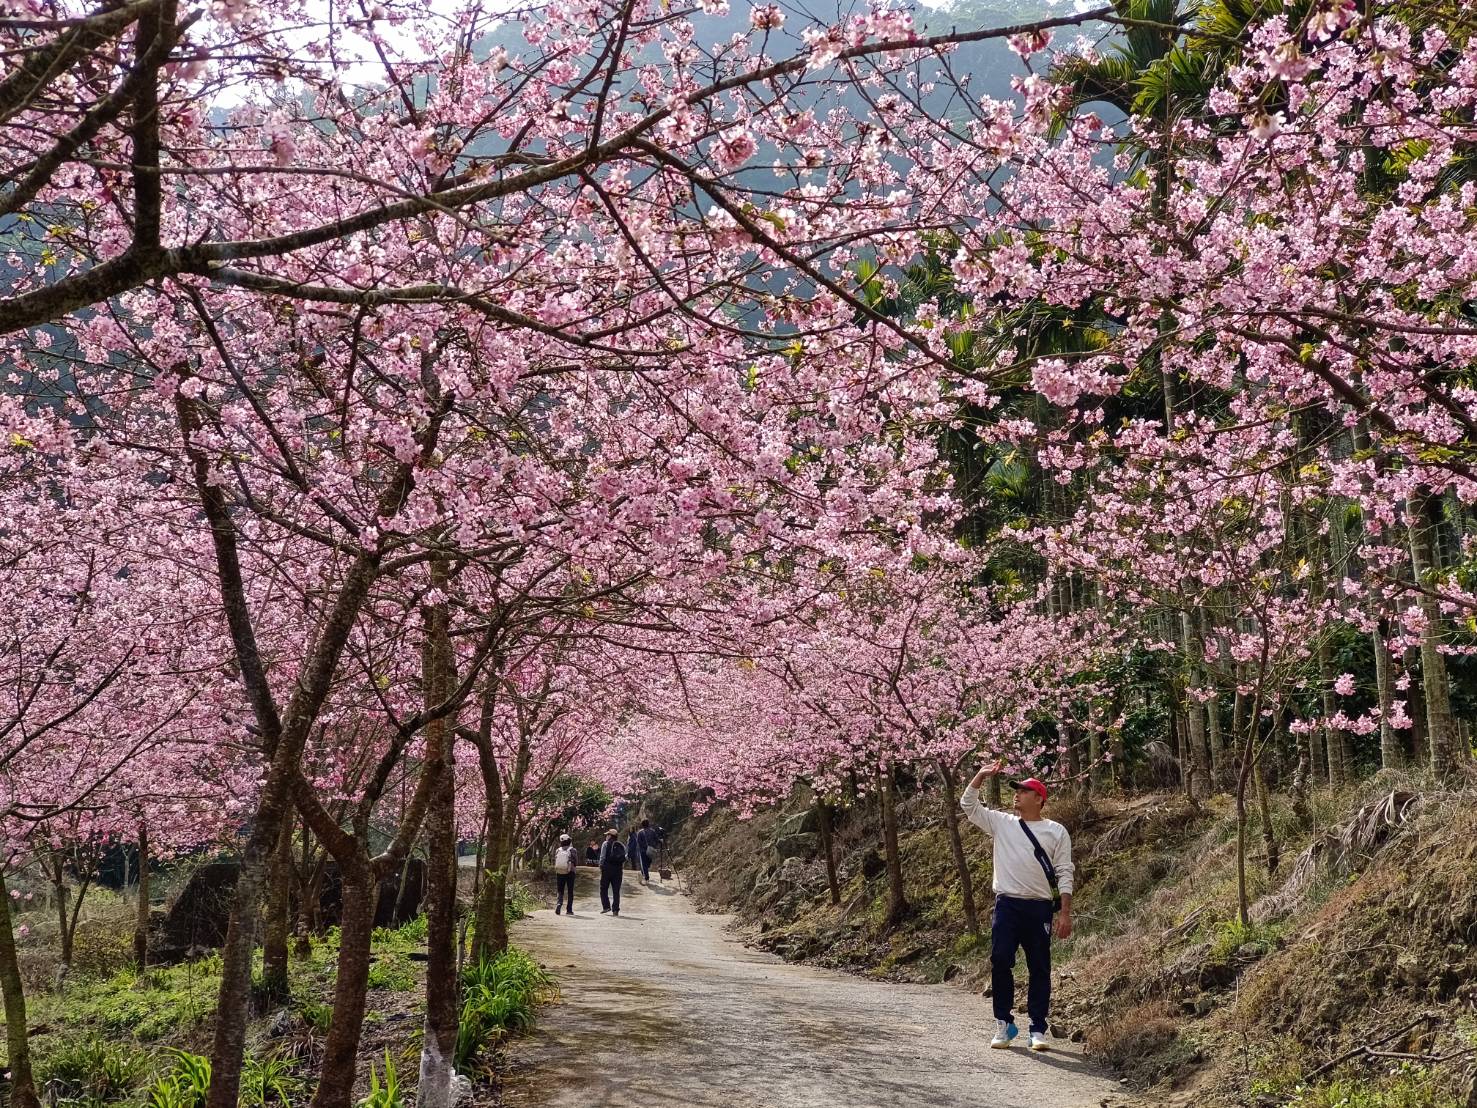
(592, 853)
(566, 861)
(1033, 881)
(612, 863)
(644, 839)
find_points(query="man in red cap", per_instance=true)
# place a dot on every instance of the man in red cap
(1033, 882)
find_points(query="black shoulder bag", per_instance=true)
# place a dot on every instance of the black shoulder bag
(1046, 866)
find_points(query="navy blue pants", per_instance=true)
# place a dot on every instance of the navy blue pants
(645, 861)
(564, 886)
(610, 888)
(1021, 923)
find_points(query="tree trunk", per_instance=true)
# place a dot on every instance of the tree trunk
(276, 986)
(232, 1005)
(1392, 754)
(341, 1047)
(17, 1033)
(1440, 727)
(59, 890)
(956, 845)
(897, 903)
(440, 1085)
(828, 847)
(1335, 739)
(141, 916)
(1264, 806)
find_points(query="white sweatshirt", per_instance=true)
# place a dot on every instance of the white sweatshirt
(1017, 872)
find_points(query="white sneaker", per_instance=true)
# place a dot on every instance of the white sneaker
(1003, 1035)
(1038, 1041)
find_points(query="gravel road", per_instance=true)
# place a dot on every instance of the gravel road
(661, 1007)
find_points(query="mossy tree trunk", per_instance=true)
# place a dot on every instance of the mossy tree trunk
(950, 798)
(141, 914)
(897, 901)
(17, 1033)
(828, 846)
(276, 985)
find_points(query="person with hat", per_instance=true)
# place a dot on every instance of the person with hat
(566, 863)
(612, 872)
(1033, 883)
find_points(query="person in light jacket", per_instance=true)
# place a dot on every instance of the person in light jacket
(566, 862)
(1033, 864)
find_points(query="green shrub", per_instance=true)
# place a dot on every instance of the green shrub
(268, 1081)
(93, 1070)
(1231, 935)
(316, 1014)
(519, 902)
(499, 995)
(185, 1086)
(386, 1095)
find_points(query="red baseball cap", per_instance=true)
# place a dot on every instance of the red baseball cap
(1031, 783)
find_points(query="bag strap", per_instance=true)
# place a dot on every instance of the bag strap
(1041, 857)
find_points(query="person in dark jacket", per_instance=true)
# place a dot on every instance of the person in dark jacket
(642, 842)
(612, 866)
(592, 853)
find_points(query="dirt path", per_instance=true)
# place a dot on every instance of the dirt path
(661, 1008)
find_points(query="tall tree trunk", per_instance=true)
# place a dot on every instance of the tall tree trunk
(61, 895)
(897, 902)
(950, 799)
(440, 1085)
(141, 916)
(276, 985)
(1335, 739)
(1440, 726)
(356, 927)
(1195, 711)
(828, 846)
(17, 1032)
(1264, 806)
(1392, 755)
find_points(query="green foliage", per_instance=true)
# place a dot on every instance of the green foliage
(393, 973)
(267, 1081)
(185, 1086)
(385, 1095)
(92, 1070)
(499, 995)
(407, 936)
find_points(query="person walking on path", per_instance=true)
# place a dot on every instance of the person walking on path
(1033, 882)
(612, 866)
(566, 862)
(644, 839)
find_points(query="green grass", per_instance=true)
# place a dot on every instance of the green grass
(393, 973)
(92, 1071)
(1408, 1087)
(1228, 936)
(164, 1003)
